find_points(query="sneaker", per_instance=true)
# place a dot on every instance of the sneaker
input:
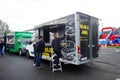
(34, 64)
(39, 67)
(61, 59)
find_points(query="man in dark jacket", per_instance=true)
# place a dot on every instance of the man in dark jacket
(1, 47)
(57, 47)
(40, 46)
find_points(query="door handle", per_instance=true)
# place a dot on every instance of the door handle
(88, 45)
(92, 45)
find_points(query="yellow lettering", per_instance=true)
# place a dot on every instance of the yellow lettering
(46, 49)
(84, 26)
(81, 26)
(46, 54)
(84, 32)
(50, 50)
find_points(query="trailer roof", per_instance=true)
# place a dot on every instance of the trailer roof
(62, 20)
(58, 21)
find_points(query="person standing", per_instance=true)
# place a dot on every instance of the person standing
(1, 48)
(40, 46)
(57, 47)
(34, 46)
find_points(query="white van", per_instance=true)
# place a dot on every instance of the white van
(30, 50)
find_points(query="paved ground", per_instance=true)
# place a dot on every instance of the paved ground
(110, 56)
(106, 67)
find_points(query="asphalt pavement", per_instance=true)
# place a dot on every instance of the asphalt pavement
(106, 67)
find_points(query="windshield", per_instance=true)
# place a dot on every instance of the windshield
(24, 40)
(10, 39)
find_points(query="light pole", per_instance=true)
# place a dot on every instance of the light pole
(100, 23)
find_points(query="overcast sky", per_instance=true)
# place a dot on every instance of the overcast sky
(25, 14)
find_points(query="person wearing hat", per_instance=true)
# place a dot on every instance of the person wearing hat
(40, 46)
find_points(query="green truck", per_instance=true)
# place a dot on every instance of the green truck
(17, 41)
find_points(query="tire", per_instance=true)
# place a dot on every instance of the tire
(27, 54)
(20, 52)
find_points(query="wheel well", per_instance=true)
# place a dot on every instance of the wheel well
(27, 50)
(19, 49)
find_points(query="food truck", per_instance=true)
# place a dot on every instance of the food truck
(16, 41)
(79, 46)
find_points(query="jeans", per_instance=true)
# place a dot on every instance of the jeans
(35, 57)
(1, 52)
(58, 55)
(38, 58)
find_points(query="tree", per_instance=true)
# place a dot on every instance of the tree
(4, 28)
(117, 30)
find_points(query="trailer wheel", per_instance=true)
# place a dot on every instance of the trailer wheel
(20, 52)
(27, 54)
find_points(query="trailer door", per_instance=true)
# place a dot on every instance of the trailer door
(84, 36)
(94, 24)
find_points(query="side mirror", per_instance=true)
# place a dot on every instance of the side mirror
(19, 42)
(30, 42)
